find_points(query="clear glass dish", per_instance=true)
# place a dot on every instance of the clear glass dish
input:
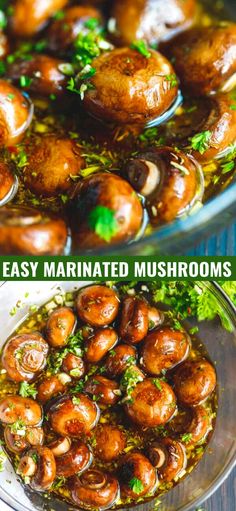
(220, 456)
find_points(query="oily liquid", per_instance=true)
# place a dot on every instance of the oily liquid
(107, 147)
(137, 438)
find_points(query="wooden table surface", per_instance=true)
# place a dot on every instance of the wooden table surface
(225, 497)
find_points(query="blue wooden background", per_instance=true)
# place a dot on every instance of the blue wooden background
(223, 244)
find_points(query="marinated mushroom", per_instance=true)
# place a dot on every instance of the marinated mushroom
(73, 365)
(169, 458)
(205, 58)
(151, 21)
(130, 87)
(170, 180)
(97, 305)
(16, 113)
(136, 467)
(23, 409)
(45, 74)
(155, 318)
(163, 349)
(23, 438)
(60, 446)
(121, 357)
(73, 416)
(24, 356)
(104, 195)
(75, 461)
(95, 489)
(75, 20)
(193, 424)
(52, 386)
(134, 319)
(110, 442)
(152, 403)
(106, 391)
(194, 381)
(60, 325)
(8, 184)
(39, 466)
(28, 231)
(29, 16)
(99, 344)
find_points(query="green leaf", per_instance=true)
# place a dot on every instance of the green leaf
(136, 485)
(27, 390)
(103, 222)
(200, 141)
(141, 47)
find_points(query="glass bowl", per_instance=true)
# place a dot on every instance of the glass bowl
(220, 456)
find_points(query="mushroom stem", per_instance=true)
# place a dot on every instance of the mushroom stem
(27, 467)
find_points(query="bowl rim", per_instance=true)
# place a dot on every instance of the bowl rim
(215, 484)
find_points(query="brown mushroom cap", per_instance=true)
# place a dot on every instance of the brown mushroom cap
(136, 88)
(29, 16)
(136, 465)
(46, 468)
(193, 422)
(97, 305)
(7, 183)
(151, 21)
(14, 442)
(210, 58)
(151, 404)
(73, 365)
(27, 231)
(169, 457)
(95, 489)
(108, 191)
(24, 356)
(52, 163)
(163, 349)
(16, 112)
(17, 408)
(51, 386)
(107, 391)
(134, 319)
(194, 381)
(110, 442)
(73, 416)
(120, 358)
(75, 461)
(60, 325)
(99, 344)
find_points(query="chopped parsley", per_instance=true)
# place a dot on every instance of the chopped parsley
(59, 482)
(18, 426)
(136, 485)
(142, 47)
(186, 438)
(74, 345)
(172, 79)
(27, 390)
(76, 400)
(34, 457)
(200, 142)
(157, 383)
(129, 381)
(25, 81)
(92, 23)
(103, 222)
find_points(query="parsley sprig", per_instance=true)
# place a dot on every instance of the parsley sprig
(142, 47)
(136, 485)
(27, 390)
(201, 141)
(103, 222)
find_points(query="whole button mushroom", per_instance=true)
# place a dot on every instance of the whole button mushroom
(17, 408)
(8, 184)
(75, 20)
(22, 439)
(151, 21)
(75, 461)
(29, 16)
(110, 442)
(24, 356)
(106, 391)
(60, 325)
(137, 475)
(193, 424)
(60, 446)
(131, 87)
(170, 180)
(194, 381)
(51, 165)
(45, 74)
(163, 349)
(121, 357)
(95, 490)
(27, 231)
(152, 403)
(52, 386)
(169, 457)
(16, 113)
(73, 365)
(99, 344)
(155, 317)
(104, 195)
(73, 416)
(134, 319)
(97, 305)
(39, 466)
(205, 58)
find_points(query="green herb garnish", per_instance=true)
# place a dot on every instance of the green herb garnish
(142, 47)
(200, 142)
(172, 79)
(103, 222)
(136, 485)
(27, 390)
